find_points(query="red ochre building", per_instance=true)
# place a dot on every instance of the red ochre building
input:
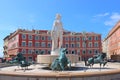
(34, 42)
(112, 43)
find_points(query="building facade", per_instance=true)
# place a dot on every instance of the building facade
(6, 47)
(34, 42)
(112, 41)
(105, 48)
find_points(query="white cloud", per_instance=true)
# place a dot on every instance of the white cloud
(114, 18)
(102, 15)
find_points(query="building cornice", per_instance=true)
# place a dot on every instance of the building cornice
(116, 27)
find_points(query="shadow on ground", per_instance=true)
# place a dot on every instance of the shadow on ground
(80, 68)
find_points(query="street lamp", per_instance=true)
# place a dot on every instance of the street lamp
(33, 53)
(85, 45)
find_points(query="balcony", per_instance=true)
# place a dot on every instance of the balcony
(5, 47)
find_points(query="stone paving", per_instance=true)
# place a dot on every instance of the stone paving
(78, 67)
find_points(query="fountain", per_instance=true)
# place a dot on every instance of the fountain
(57, 40)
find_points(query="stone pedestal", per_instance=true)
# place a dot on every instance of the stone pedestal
(55, 52)
(48, 59)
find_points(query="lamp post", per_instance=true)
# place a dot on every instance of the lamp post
(85, 46)
(33, 53)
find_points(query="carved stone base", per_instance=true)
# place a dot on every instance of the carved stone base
(55, 52)
(48, 59)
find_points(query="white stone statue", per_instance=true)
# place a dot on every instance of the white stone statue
(57, 35)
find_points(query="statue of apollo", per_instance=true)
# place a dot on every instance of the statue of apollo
(57, 35)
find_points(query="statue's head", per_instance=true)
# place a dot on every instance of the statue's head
(104, 55)
(58, 16)
(64, 50)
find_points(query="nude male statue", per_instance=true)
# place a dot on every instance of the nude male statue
(57, 33)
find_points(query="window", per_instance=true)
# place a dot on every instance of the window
(49, 52)
(66, 45)
(37, 51)
(96, 44)
(83, 51)
(49, 38)
(30, 37)
(29, 44)
(72, 45)
(78, 52)
(73, 52)
(66, 39)
(23, 36)
(84, 44)
(83, 38)
(14, 38)
(96, 52)
(77, 39)
(90, 38)
(89, 51)
(23, 43)
(72, 38)
(49, 45)
(29, 51)
(43, 44)
(36, 44)
(96, 38)
(43, 37)
(66, 52)
(23, 51)
(36, 37)
(30, 58)
(36, 32)
(42, 52)
(78, 45)
(90, 44)
(14, 45)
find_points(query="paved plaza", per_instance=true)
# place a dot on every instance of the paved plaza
(78, 67)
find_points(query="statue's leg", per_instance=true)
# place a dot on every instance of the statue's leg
(52, 45)
(24, 69)
(104, 63)
(100, 66)
(92, 64)
(62, 67)
(60, 40)
(56, 42)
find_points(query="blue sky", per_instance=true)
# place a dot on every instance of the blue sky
(97, 16)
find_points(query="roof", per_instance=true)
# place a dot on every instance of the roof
(117, 25)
